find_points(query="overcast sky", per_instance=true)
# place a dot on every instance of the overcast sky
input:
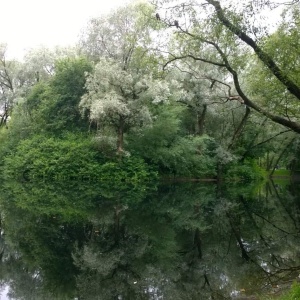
(26, 24)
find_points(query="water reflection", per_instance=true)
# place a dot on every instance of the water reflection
(172, 241)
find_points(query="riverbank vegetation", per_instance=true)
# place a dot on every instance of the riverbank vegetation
(152, 91)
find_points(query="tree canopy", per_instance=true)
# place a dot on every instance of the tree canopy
(192, 88)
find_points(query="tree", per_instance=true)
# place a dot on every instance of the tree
(67, 87)
(8, 84)
(115, 99)
(17, 78)
(122, 36)
(52, 105)
(225, 38)
(39, 63)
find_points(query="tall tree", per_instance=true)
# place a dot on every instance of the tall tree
(121, 36)
(116, 98)
(225, 37)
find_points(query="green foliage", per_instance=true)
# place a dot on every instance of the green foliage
(6, 143)
(77, 235)
(286, 38)
(69, 79)
(282, 172)
(126, 169)
(164, 146)
(49, 107)
(248, 171)
(188, 156)
(35, 97)
(293, 294)
(53, 106)
(40, 157)
(67, 86)
(179, 122)
(174, 122)
(70, 157)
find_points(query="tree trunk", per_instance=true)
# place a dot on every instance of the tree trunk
(238, 237)
(281, 155)
(200, 121)
(219, 172)
(269, 161)
(117, 223)
(240, 128)
(120, 140)
(198, 242)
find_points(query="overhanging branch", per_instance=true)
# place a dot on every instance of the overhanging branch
(262, 55)
(194, 58)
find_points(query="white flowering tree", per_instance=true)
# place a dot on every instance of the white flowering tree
(118, 99)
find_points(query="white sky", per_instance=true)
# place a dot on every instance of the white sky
(26, 24)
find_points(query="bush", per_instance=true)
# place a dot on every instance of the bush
(248, 171)
(72, 157)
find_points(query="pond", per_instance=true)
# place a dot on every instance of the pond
(173, 240)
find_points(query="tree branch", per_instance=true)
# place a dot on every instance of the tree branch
(240, 128)
(271, 138)
(295, 126)
(290, 124)
(194, 58)
(262, 55)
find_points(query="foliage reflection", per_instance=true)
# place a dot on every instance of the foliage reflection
(175, 240)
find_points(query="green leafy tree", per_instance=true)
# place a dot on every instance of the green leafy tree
(67, 86)
(225, 38)
(165, 145)
(52, 106)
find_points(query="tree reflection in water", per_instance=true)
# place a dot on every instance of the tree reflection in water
(172, 241)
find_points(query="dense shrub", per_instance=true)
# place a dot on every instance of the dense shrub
(71, 157)
(248, 171)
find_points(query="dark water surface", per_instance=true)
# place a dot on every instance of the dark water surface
(166, 241)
